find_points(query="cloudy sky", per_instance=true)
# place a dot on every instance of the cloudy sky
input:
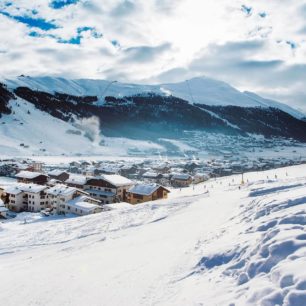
(256, 45)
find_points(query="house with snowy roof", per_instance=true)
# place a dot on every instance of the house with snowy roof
(152, 176)
(181, 179)
(200, 177)
(81, 206)
(78, 181)
(146, 192)
(27, 197)
(29, 177)
(58, 175)
(106, 169)
(61, 196)
(108, 188)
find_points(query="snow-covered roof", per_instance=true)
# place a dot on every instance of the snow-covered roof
(61, 189)
(56, 172)
(80, 202)
(145, 189)
(116, 180)
(18, 188)
(150, 174)
(77, 179)
(181, 176)
(28, 174)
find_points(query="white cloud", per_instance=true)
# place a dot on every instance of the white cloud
(261, 48)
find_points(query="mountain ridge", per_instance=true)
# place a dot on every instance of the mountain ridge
(199, 90)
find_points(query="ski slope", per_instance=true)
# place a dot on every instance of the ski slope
(231, 246)
(200, 90)
(29, 131)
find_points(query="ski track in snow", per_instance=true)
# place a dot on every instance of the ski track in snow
(232, 246)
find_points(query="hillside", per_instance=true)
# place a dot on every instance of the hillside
(201, 90)
(99, 117)
(230, 246)
(28, 130)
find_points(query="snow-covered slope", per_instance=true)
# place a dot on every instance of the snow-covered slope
(27, 131)
(201, 90)
(231, 246)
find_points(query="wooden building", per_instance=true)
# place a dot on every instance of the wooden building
(181, 180)
(58, 175)
(30, 177)
(146, 192)
(108, 188)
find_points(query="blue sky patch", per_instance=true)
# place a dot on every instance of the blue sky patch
(247, 9)
(115, 43)
(58, 4)
(292, 44)
(32, 22)
(76, 40)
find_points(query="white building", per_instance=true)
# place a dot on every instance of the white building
(63, 200)
(27, 197)
(81, 205)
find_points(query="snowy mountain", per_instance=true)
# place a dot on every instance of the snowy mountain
(98, 116)
(232, 246)
(200, 90)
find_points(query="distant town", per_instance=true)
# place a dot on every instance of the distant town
(83, 187)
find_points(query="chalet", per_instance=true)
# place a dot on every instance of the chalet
(77, 181)
(61, 196)
(108, 188)
(200, 177)
(75, 164)
(58, 175)
(85, 164)
(30, 177)
(152, 176)
(106, 170)
(162, 168)
(27, 197)
(146, 192)
(181, 180)
(128, 171)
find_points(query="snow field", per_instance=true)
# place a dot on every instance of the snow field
(230, 246)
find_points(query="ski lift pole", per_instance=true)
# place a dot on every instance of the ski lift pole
(242, 179)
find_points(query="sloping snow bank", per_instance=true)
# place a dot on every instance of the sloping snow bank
(231, 246)
(258, 257)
